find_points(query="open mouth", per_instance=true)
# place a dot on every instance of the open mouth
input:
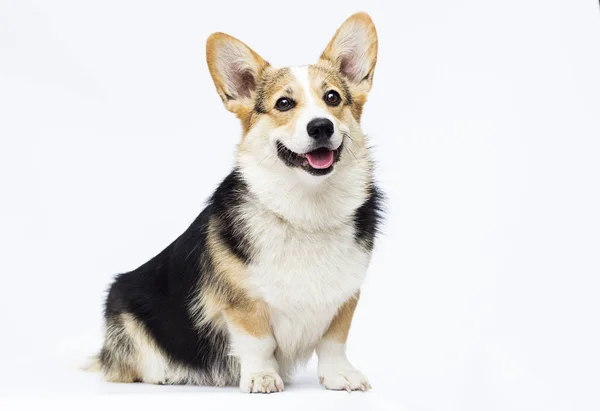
(318, 162)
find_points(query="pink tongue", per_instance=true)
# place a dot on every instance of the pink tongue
(320, 159)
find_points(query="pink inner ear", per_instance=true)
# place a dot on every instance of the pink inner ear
(244, 83)
(236, 67)
(349, 67)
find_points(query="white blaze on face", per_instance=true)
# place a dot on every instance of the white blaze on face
(311, 109)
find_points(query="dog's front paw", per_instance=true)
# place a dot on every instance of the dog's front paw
(261, 382)
(349, 379)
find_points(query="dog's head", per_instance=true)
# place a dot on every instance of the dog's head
(300, 124)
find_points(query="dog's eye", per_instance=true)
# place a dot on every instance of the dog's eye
(332, 98)
(285, 104)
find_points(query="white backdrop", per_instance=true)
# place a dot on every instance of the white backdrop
(485, 118)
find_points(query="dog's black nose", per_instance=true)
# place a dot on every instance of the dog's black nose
(320, 128)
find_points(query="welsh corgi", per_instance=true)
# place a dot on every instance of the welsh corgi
(271, 269)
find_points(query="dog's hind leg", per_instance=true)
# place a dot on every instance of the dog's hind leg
(119, 357)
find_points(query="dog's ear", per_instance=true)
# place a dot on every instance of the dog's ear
(353, 50)
(235, 68)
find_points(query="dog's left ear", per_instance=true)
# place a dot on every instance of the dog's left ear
(353, 51)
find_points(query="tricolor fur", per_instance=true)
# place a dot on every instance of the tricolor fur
(271, 270)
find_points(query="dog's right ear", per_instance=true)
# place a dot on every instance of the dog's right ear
(235, 68)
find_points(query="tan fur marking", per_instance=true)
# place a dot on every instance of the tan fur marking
(322, 75)
(340, 325)
(228, 286)
(231, 298)
(125, 375)
(274, 85)
(228, 267)
(253, 317)
(213, 304)
(124, 350)
(143, 343)
(248, 118)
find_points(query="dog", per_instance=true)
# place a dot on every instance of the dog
(271, 269)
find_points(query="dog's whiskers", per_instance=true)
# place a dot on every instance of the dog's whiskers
(344, 134)
(264, 158)
(347, 135)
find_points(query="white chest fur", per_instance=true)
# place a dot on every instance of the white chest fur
(304, 276)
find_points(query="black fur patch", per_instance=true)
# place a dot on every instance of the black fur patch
(224, 205)
(159, 292)
(368, 217)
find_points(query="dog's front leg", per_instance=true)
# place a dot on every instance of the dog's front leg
(253, 343)
(335, 371)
